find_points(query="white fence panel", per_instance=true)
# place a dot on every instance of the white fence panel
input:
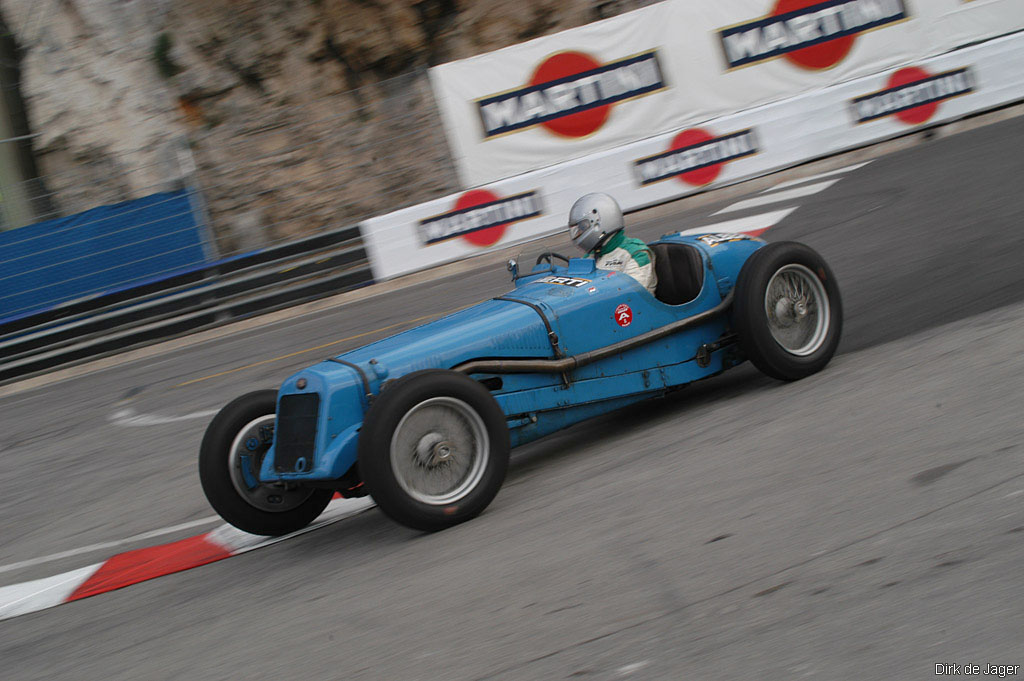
(697, 157)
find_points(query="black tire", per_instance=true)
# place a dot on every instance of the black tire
(219, 472)
(754, 323)
(401, 492)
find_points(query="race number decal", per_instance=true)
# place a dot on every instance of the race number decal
(564, 281)
(715, 239)
(623, 315)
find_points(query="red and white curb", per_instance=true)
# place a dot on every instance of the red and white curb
(132, 567)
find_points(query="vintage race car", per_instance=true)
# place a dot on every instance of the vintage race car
(423, 421)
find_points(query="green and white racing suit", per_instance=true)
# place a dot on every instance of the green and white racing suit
(629, 256)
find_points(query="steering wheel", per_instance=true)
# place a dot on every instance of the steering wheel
(548, 255)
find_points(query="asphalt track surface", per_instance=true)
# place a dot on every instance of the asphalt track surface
(867, 522)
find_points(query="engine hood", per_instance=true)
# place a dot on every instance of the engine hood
(493, 328)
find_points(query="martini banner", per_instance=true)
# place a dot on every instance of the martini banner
(678, 63)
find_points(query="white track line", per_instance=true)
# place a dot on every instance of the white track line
(129, 417)
(754, 223)
(777, 197)
(109, 544)
(819, 176)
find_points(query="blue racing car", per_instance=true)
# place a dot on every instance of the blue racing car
(424, 421)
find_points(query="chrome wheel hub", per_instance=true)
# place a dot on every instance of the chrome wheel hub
(433, 450)
(439, 451)
(798, 310)
(247, 452)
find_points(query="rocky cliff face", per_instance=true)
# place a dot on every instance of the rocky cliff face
(298, 115)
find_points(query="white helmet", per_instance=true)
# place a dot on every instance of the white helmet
(592, 219)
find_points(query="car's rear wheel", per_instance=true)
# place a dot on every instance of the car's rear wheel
(230, 456)
(787, 311)
(433, 449)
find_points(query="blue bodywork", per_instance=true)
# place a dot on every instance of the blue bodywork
(582, 318)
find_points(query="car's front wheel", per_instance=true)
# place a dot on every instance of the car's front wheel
(787, 311)
(434, 449)
(229, 462)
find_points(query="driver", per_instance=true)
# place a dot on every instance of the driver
(596, 227)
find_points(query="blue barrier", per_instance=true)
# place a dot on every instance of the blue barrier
(103, 249)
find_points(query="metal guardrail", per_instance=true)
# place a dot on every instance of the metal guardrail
(177, 281)
(257, 282)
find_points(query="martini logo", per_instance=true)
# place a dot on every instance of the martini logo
(811, 34)
(480, 217)
(570, 94)
(913, 95)
(696, 157)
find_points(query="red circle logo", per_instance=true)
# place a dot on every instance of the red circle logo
(700, 176)
(815, 57)
(918, 114)
(562, 65)
(482, 237)
(623, 315)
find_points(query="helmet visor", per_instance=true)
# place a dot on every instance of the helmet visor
(578, 228)
(585, 233)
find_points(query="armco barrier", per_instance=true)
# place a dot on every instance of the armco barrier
(711, 154)
(181, 280)
(201, 315)
(197, 298)
(185, 300)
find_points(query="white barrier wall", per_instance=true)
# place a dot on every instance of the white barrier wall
(558, 97)
(696, 157)
(680, 62)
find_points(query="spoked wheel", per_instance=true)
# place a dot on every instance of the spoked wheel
(797, 309)
(439, 450)
(787, 311)
(434, 449)
(229, 462)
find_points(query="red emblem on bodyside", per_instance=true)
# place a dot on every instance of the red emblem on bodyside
(623, 315)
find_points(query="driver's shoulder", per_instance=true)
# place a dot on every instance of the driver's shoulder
(638, 250)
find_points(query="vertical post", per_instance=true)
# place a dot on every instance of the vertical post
(190, 180)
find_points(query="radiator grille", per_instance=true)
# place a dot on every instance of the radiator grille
(295, 434)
